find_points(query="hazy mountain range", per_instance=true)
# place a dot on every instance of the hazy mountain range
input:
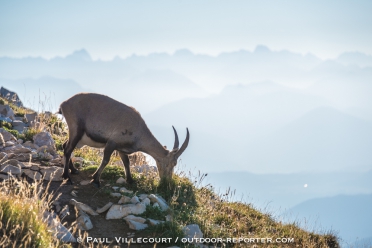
(280, 115)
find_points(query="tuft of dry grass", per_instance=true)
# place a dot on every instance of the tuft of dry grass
(22, 207)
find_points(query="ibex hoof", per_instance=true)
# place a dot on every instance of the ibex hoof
(95, 184)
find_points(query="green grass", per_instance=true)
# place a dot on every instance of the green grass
(21, 215)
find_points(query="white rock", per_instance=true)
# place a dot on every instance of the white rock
(61, 232)
(124, 190)
(168, 218)
(6, 136)
(9, 143)
(19, 149)
(193, 231)
(52, 173)
(104, 208)
(121, 180)
(34, 175)
(18, 125)
(136, 225)
(11, 169)
(142, 196)
(135, 218)
(74, 193)
(31, 145)
(84, 207)
(84, 222)
(85, 182)
(156, 205)
(45, 156)
(134, 200)
(31, 117)
(46, 149)
(44, 139)
(115, 194)
(146, 201)
(155, 222)
(115, 188)
(7, 111)
(120, 211)
(124, 199)
(163, 205)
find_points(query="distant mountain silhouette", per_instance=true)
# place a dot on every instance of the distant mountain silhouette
(349, 215)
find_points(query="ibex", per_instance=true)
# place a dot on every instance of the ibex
(102, 122)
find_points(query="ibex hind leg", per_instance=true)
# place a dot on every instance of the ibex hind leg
(70, 164)
(108, 150)
(69, 146)
(125, 158)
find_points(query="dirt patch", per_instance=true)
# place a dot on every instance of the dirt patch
(103, 230)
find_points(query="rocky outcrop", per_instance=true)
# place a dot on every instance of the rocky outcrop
(11, 96)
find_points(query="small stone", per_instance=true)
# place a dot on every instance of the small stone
(168, 218)
(9, 143)
(124, 199)
(156, 205)
(121, 180)
(74, 193)
(135, 218)
(155, 222)
(115, 188)
(142, 196)
(136, 225)
(124, 190)
(115, 194)
(134, 200)
(84, 222)
(44, 139)
(34, 175)
(104, 208)
(10, 169)
(162, 203)
(120, 211)
(83, 207)
(52, 173)
(85, 182)
(20, 141)
(193, 231)
(146, 201)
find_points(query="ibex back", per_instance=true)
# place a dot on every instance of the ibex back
(102, 122)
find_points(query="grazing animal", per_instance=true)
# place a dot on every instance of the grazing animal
(102, 122)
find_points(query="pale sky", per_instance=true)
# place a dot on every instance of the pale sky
(109, 28)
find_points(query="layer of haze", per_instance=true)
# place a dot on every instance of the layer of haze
(111, 28)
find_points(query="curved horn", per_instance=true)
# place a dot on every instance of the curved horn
(176, 142)
(184, 145)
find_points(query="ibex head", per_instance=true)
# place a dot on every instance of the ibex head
(166, 164)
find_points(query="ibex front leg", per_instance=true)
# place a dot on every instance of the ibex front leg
(108, 150)
(124, 157)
